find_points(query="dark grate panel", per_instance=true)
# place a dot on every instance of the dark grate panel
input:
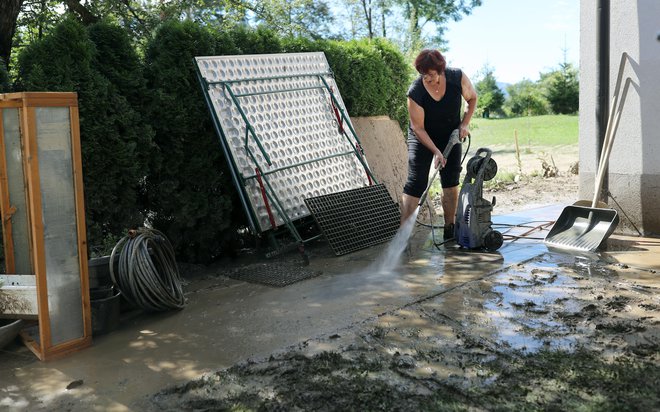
(276, 274)
(355, 219)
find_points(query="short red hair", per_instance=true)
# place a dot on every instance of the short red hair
(429, 59)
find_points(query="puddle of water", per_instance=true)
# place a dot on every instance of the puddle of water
(524, 315)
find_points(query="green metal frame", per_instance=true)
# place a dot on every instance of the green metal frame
(239, 179)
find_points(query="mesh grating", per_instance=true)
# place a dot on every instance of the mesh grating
(277, 274)
(288, 107)
(357, 218)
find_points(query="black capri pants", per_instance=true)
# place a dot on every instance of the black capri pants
(419, 165)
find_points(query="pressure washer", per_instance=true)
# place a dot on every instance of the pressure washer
(473, 226)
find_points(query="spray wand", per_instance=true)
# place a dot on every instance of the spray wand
(454, 139)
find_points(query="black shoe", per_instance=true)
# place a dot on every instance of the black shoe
(449, 231)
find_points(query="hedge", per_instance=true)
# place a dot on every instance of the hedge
(4, 78)
(189, 191)
(115, 142)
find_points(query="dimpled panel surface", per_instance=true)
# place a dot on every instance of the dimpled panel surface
(289, 109)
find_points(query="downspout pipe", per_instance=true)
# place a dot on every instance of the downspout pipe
(603, 76)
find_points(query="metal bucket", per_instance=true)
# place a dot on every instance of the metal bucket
(582, 228)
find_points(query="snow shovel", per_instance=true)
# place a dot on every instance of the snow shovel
(585, 228)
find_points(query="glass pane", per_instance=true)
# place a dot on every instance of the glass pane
(59, 218)
(16, 185)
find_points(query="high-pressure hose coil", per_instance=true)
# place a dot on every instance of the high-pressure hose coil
(147, 274)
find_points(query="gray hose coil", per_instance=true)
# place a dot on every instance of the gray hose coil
(147, 273)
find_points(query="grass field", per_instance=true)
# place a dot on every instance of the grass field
(535, 131)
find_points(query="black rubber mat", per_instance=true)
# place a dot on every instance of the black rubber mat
(274, 273)
(356, 219)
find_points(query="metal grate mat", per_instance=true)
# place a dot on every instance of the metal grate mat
(278, 274)
(356, 219)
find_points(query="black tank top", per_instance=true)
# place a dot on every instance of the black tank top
(440, 117)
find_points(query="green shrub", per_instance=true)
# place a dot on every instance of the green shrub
(189, 190)
(254, 41)
(114, 140)
(4, 78)
(399, 73)
(117, 60)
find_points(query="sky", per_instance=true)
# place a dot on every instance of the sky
(517, 38)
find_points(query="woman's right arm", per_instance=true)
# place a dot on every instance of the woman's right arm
(417, 123)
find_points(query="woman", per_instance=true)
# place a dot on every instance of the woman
(434, 106)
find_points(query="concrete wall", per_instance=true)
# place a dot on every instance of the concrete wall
(385, 150)
(634, 166)
(387, 154)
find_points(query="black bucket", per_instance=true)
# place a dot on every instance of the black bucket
(105, 308)
(9, 329)
(99, 271)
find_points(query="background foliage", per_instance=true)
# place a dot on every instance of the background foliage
(562, 89)
(491, 97)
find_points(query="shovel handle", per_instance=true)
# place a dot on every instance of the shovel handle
(612, 124)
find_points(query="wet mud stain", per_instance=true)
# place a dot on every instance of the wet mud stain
(538, 336)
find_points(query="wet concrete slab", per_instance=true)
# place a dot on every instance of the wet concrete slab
(227, 321)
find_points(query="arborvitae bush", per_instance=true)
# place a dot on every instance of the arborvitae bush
(190, 191)
(255, 41)
(398, 74)
(118, 61)
(4, 78)
(114, 140)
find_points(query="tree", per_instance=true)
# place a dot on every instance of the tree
(526, 98)
(366, 15)
(9, 10)
(37, 17)
(421, 12)
(308, 18)
(373, 12)
(563, 89)
(491, 98)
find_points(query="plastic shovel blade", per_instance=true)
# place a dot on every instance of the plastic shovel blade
(582, 228)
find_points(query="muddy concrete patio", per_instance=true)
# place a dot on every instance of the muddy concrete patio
(524, 327)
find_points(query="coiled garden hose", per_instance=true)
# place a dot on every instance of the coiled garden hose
(147, 274)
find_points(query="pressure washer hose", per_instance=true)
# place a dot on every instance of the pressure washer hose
(147, 273)
(454, 139)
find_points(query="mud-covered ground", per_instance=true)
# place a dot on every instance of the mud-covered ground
(558, 332)
(555, 333)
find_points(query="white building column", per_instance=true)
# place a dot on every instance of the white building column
(634, 164)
